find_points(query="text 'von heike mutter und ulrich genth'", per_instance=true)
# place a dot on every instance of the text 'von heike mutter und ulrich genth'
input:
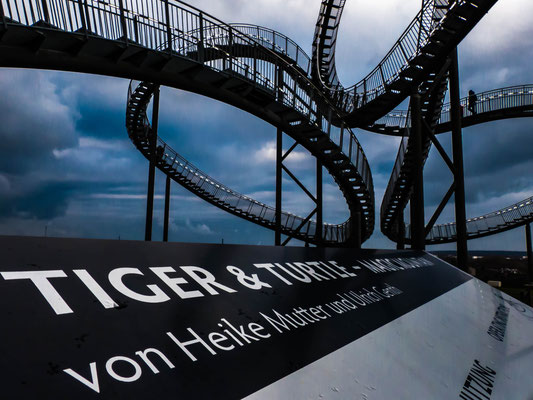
(226, 335)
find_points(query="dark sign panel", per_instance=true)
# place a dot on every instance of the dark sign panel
(88, 319)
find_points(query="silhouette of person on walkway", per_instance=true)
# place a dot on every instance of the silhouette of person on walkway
(472, 100)
(159, 151)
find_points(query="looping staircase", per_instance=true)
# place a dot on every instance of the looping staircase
(422, 48)
(174, 44)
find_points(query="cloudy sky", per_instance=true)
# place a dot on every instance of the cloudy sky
(68, 168)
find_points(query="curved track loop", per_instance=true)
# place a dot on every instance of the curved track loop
(131, 39)
(509, 102)
(421, 49)
(200, 183)
(183, 172)
(492, 105)
(507, 218)
(325, 42)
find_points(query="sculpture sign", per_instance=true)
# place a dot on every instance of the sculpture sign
(120, 319)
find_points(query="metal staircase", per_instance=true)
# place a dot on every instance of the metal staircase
(507, 218)
(174, 44)
(492, 105)
(207, 188)
(423, 47)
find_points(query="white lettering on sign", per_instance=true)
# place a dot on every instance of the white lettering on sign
(95, 289)
(206, 280)
(174, 283)
(137, 368)
(207, 284)
(93, 383)
(115, 278)
(200, 343)
(40, 280)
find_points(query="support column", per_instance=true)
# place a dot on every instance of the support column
(459, 177)
(418, 237)
(529, 253)
(319, 207)
(356, 230)
(167, 210)
(151, 169)
(400, 245)
(279, 155)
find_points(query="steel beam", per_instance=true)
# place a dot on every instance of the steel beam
(459, 178)
(440, 208)
(305, 221)
(529, 253)
(440, 149)
(356, 230)
(167, 210)
(400, 244)
(319, 205)
(417, 198)
(151, 168)
(300, 184)
(279, 151)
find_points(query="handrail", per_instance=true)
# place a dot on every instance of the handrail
(508, 217)
(487, 101)
(405, 49)
(507, 98)
(156, 23)
(196, 178)
(493, 100)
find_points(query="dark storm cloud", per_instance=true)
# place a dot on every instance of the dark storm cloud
(46, 200)
(66, 156)
(497, 159)
(101, 121)
(498, 146)
(98, 101)
(34, 121)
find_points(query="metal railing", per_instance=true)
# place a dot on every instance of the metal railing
(489, 101)
(396, 119)
(325, 42)
(278, 43)
(200, 182)
(493, 100)
(404, 51)
(388, 202)
(181, 30)
(504, 219)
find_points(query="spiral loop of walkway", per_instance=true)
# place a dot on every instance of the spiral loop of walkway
(265, 73)
(509, 102)
(422, 48)
(497, 104)
(435, 18)
(202, 185)
(174, 44)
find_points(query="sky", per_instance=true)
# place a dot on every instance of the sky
(68, 168)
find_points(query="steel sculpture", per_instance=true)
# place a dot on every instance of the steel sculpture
(172, 43)
(265, 73)
(431, 118)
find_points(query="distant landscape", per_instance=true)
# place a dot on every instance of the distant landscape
(508, 267)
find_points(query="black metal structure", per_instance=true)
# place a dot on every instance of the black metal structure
(265, 73)
(497, 104)
(421, 49)
(174, 44)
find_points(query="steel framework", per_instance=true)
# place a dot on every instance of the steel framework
(168, 42)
